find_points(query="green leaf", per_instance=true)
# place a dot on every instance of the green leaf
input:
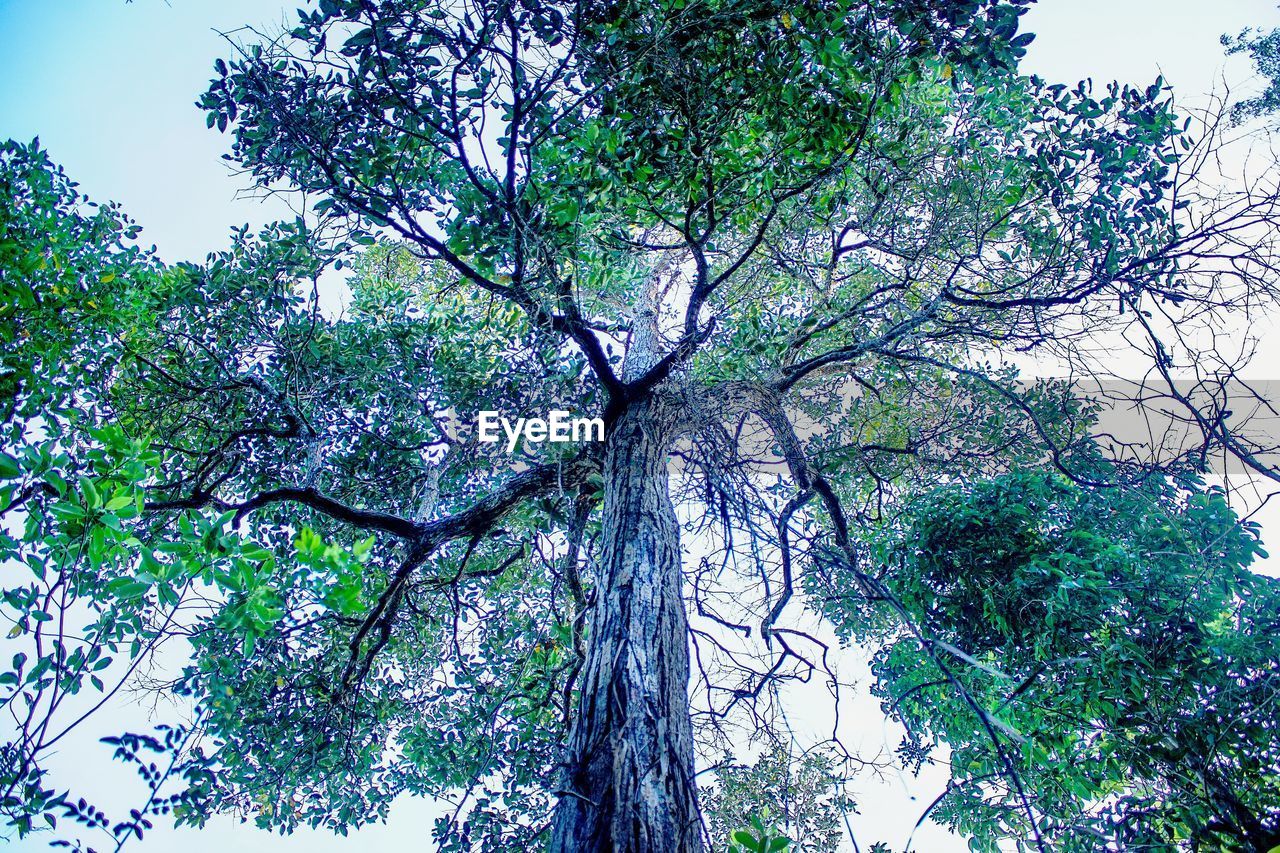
(92, 497)
(9, 468)
(363, 38)
(128, 589)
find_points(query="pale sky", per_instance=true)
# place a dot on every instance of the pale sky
(109, 88)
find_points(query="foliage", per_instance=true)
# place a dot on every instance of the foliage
(1263, 49)
(64, 265)
(758, 839)
(802, 795)
(61, 258)
(1112, 646)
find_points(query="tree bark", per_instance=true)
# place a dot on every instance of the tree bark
(628, 784)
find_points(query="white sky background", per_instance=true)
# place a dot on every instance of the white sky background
(109, 89)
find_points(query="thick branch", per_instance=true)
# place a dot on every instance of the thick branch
(365, 519)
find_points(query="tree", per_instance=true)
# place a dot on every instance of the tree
(803, 794)
(1053, 596)
(1263, 50)
(776, 248)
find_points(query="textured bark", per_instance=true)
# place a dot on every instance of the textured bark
(628, 782)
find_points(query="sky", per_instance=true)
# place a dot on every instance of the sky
(109, 87)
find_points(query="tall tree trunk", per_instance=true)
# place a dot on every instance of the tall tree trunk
(628, 784)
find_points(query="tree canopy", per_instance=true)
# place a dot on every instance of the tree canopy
(785, 251)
